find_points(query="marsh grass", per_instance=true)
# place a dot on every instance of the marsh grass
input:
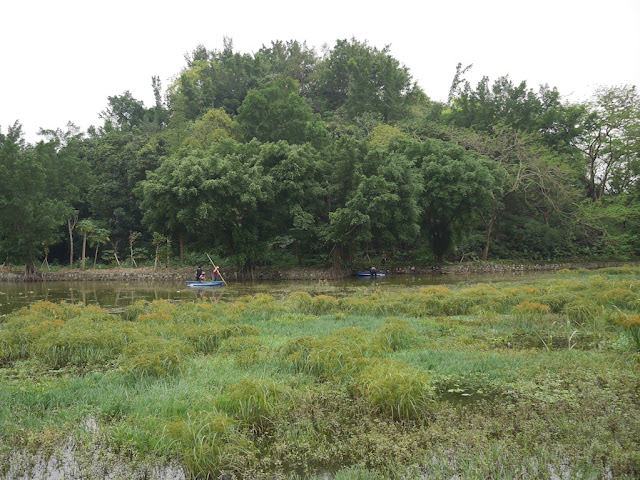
(501, 380)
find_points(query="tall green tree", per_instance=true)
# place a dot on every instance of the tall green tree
(173, 201)
(458, 186)
(355, 78)
(278, 112)
(532, 172)
(36, 197)
(610, 141)
(289, 59)
(298, 195)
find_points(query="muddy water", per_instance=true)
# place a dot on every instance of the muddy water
(117, 295)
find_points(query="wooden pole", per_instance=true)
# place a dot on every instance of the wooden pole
(214, 266)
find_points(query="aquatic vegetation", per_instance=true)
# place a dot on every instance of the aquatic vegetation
(395, 388)
(211, 442)
(582, 310)
(254, 400)
(437, 291)
(206, 338)
(247, 350)
(495, 380)
(531, 308)
(322, 304)
(154, 356)
(80, 342)
(396, 334)
(621, 298)
(631, 324)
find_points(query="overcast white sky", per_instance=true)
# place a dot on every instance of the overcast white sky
(62, 59)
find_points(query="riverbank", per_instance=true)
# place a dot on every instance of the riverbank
(297, 273)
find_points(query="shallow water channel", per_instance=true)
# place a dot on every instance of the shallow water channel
(115, 295)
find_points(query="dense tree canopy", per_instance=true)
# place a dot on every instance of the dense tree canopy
(293, 156)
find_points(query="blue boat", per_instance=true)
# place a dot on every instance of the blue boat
(367, 273)
(205, 283)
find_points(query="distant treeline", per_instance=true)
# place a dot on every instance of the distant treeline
(293, 156)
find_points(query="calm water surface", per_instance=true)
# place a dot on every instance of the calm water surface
(116, 296)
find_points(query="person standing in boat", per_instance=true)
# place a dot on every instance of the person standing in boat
(384, 260)
(215, 275)
(199, 274)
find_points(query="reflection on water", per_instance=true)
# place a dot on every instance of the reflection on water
(115, 296)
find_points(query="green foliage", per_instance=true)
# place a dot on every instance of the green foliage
(40, 186)
(215, 125)
(356, 78)
(287, 156)
(211, 442)
(458, 186)
(277, 112)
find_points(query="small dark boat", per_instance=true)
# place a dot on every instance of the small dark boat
(205, 283)
(367, 273)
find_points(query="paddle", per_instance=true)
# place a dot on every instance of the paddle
(214, 266)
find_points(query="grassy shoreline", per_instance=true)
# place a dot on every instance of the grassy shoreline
(532, 378)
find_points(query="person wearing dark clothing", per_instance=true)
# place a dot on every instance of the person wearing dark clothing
(199, 273)
(384, 260)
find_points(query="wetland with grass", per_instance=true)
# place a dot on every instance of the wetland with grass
(528, 376)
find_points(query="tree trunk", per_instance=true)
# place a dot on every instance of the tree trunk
(30, 272)
(115, 251)
(299, 254)
(84, 248)
(95, 258)
(485, 253)
(155, 262)
(133, 260)
(71, 223)
(337, 257)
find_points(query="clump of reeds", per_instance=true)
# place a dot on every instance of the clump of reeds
(80, 342)
(154, 356)
(211, 443)
(246, 349)
(620, 298)
(631, 324)
(582, 310)
(322, 304)
(530, 309)
(206, 338)
(395, 389)
(396, 334)
(254, 401)
(437, 291)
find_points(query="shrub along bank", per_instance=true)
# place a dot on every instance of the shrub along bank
(532, 378)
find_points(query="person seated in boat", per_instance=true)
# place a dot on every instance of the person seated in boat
(215, 275)
(373, 271)
(199, 274)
